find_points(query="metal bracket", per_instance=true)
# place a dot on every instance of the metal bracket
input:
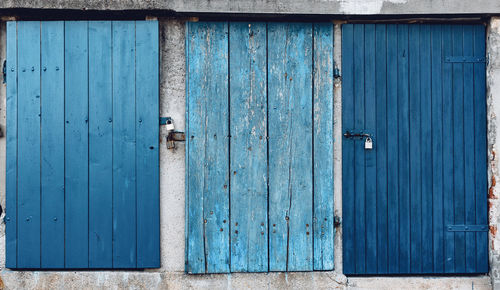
(164, 120)
(336, 73)
(4, 72)
(467, 228)
(337, 221)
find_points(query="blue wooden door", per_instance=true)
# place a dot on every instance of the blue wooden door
(82, 145)
(415, 203)
(259, 152)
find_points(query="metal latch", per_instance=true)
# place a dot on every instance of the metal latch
(4, 72)
(172, 135)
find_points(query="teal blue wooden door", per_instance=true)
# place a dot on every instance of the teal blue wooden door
(415, 203)
(259, 176)
(82, 145)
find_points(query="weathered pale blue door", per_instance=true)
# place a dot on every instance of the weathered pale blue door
(259, 154)
(416, 202)
(82, 145)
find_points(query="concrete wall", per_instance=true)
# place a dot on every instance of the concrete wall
(339, 7)
(171, 274)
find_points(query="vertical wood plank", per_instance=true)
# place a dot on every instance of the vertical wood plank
(370, 155)
(76, 144)
(480, 143)
(415, 150)
(469, 150)
(426, 150)
(324, 231)
(348, 183)
(359, 150)
(195, 151)
(216, 194)
(124, 145)
(208, 175)
(28, 180)
(458, 147)
(381, 146)
(52, 144)
(11, 148)
(147, 150)
(100, 146)
(404, 154)
(449, 241)
(248, 146)
(392, 149)
(437, 148)
(290, 146)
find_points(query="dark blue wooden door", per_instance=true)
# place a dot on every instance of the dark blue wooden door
(82, 145)
(259, 154)
(416, 202)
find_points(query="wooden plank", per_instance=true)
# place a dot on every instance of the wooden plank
(370, 155)
(392, 150)
(76, 144)
(458, 147)
(11, 151)
(124, 145)
(469, 150)
(415, 181)
(52, 144)
(480, 159)
(290, 146)
(208, 167)
(248, 146)
(195, 119)
(449, 241)
(404, 154)
(359, 150)
(348, 184)
(324, 231)
(381, 61)
(147, 151)
(100, 146)
(28, 180)
(216, 191)
(426, 148)
(437, 148)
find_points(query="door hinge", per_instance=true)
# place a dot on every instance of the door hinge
(4, 72)
(464, 59)
(467, 228)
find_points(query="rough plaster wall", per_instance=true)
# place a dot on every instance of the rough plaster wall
(348, 7)
(172, 190)
(172, 104)
(337, 145)
(493, 103)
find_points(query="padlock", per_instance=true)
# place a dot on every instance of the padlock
(170, 126)
(368, 143)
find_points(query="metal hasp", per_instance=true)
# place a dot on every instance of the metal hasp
(4, 72)
(165, 120)
(171, 134)
(349, 134)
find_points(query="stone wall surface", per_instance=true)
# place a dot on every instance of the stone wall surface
(172, 189)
